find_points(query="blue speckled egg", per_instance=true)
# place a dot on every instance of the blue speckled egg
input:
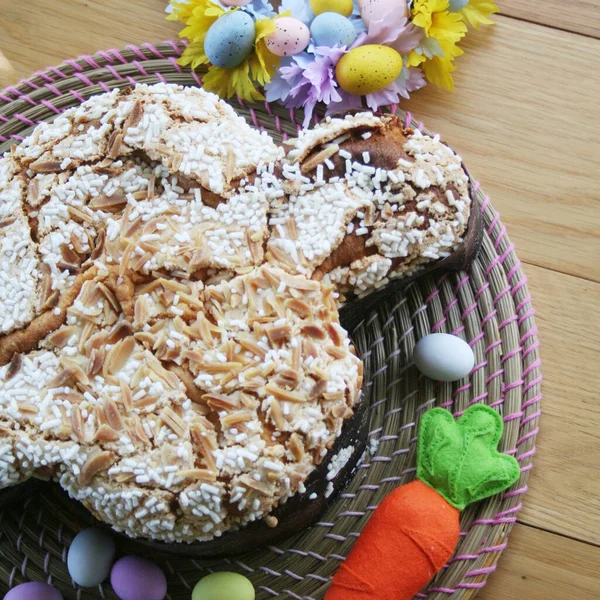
(456, 5)
(90, 557)
(332, 29)
(229, 39)
(33, 591)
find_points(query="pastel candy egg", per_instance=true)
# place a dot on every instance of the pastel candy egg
(332, 29)
(342, 7)
(456, 5)
(33, 591)
(375, 10)
(443, 357)
(235, 2)
(135, 578)
(230, 39)
(90, 557)
(290, 37)
(223, 586)
(368, 69)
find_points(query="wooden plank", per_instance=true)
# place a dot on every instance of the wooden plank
(579, 16)
(522, 118)
(38, 33)
(564, 488)
(543, 566)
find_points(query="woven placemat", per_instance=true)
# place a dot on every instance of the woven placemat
(489, 306)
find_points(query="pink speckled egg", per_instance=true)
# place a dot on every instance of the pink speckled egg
(374, 10)
(290, 37)
(235, 2)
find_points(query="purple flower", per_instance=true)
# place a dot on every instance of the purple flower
(393, 30)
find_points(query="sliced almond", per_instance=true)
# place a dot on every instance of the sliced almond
(249, 343)
(297, 447)
(106, 433)
(14, 366)
(111, 412)
(283, 394)
(279, 334)
(314, 331)
(259, 486)
(312, 162)
(173, 420)
(118, 355)
(46, 166)
(77, 423)
(220, 402)
(336, 352)
(60, 337)
(277, 415)
(96, 463)
(298, 306)
(199, 474)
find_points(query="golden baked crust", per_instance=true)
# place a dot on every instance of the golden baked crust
(368, 201)
(151, 365)
(170, 347)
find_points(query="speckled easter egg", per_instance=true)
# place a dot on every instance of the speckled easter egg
(90, 557)
(374, 10)
(290, 37)
(135, 578)
(443, 357)
(33, 591)
(342, 7)
(230, 39)
(368, 69)
(235, 2)
(223, 586)
(332, 29)
(456, 5)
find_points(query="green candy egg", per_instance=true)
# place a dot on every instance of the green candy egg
(223, 586)
(368, 69)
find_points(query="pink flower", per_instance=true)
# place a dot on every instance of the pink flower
(393, 30)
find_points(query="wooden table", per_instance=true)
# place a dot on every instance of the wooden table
(525, 119)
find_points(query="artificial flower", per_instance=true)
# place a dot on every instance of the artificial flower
(393, 30)
(408, 81)
(434, 17)
(439, 68)
(477, 12)
(300, 9)
(256, 69)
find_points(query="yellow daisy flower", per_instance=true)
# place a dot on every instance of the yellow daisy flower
(434, 17)
(258, 68)
(477, 12)
(439, 68)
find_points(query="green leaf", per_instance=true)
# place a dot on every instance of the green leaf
(460, 459)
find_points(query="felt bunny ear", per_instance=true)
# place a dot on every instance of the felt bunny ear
(459, 459)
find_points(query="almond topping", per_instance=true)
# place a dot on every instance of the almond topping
(96, 463)
(283, 394)
(173, 420)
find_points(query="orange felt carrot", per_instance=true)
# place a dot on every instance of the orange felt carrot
(414, 531)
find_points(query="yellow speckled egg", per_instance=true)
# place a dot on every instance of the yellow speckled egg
(368, 69)
(343, 7)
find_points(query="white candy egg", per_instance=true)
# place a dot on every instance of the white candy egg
(444, 357)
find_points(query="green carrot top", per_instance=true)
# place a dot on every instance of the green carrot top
(460, 459)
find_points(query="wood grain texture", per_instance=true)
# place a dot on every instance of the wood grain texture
(578, 16)
(524, 119)
(543, 566)
(564, 488)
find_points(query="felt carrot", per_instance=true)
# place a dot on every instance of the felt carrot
(414, 531)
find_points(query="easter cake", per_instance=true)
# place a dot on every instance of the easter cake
(170, 337)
